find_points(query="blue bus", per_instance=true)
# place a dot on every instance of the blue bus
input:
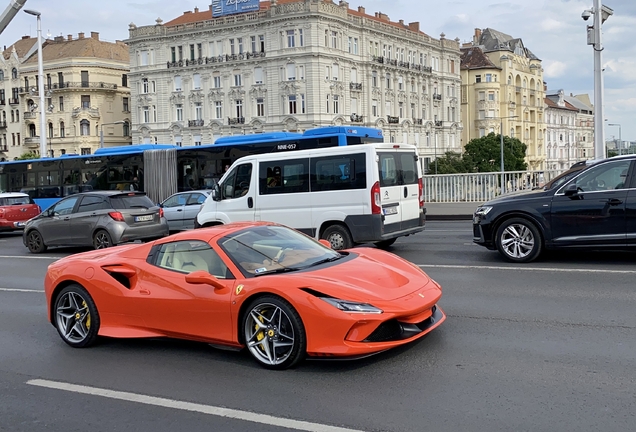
(161, 170)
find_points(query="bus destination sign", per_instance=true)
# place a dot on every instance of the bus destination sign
(228, 7)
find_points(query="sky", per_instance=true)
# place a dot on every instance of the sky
(552, 29)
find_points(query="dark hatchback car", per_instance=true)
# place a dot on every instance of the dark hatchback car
(595, 208)
(98, 218)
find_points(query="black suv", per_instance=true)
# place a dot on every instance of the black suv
(594, 207)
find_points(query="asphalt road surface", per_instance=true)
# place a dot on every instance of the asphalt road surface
(547, 346)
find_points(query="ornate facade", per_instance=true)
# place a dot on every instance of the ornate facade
(293, 65)
(86, 91)
(502, 83)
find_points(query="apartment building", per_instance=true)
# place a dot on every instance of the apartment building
(293, 65)
(86, 95)
(502, 84)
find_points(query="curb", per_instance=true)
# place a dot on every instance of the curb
(430, 217)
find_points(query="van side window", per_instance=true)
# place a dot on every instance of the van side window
(237, 183)
(408, 165)
(284, 176)
(338, 172)
(389, 175)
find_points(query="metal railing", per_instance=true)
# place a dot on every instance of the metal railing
(481, 187)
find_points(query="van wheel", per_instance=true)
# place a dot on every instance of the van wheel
(338, 236)
(384, 244)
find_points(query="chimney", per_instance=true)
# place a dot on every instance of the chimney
(80, 35)
(58, 38)
(376, 15)
(69, 37)
(361, 10)
(187, 12)
(26, 37)
(401, 22)
(415, 26)
(383, 17)
(95, 35)
(477, 36)
(196, 10)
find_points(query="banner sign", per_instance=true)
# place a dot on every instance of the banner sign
(229, 7)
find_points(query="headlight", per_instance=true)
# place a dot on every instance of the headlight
(350, 306)
(482, 211)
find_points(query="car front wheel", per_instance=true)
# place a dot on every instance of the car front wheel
(76, 317)
(519, 240)
(274, 333)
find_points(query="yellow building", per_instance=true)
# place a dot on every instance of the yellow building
(86, 91)
(502, 84)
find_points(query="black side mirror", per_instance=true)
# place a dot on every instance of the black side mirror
(571, 189)
(216, 193)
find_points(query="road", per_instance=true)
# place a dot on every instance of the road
(542, 347)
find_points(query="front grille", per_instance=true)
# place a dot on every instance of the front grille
(389, 330)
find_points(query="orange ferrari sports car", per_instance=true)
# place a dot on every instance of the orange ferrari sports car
(263, 286)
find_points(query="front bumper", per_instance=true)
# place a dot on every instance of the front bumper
(482, 232)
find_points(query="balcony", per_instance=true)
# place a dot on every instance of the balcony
(3, 148)
(28, 115)
(236, 120)
(355, 86)
(392, 120)
(196, 123)
(437, 96)
(91, 112)
(3, 124)
(32, 142)
(72, 85)
(3, 102)
(14, 101)
(216, 59)
(417, 121)
(355, 118)
(439, 123)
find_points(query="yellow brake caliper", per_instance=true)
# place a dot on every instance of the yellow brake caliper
(88, 316)
(260, 335)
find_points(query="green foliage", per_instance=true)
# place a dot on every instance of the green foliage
(483, 155)
(29, 155)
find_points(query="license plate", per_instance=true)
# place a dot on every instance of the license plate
(390, 210)
(145, 218)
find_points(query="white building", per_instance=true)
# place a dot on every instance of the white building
(293, 65)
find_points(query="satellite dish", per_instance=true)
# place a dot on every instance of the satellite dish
(51, 107)
(33, 90)
(34, 107)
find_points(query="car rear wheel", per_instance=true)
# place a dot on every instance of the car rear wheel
(102, 240)
(274, 333)
(35, 242)
(384, 244)
(338, 236)
(519, 240)
(76, 317)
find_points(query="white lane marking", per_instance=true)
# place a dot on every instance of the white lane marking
(31, 257)
(21, 290)
(539, 269)
(189, 406)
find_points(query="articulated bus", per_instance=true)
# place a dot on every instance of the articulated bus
(161, 170)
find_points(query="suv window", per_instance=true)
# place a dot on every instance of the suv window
(129, 201)
(607, 176)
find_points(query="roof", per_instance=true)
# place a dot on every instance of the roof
(494, 40)
(552, 104)
(474, 58)
(82, 47)
(197, 15)
(22, 47)
(572, 100)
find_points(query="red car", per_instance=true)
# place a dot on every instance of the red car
(15, 210)
(259, 285)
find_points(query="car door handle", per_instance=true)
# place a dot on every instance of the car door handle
(614, 202)
(406, 191)
(250, 202)
(66, 219)
(179, 210)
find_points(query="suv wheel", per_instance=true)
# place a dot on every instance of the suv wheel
(519, 240)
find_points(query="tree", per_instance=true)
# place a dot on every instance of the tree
(29, 155)
(484, 154)
(450, 163)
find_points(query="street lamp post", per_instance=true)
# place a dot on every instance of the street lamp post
(620, 138)
(601, 13)
(501, 135)
(40, 85)
(101, 131)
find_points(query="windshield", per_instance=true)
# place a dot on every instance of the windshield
(272, 249)
(131, 201)
(562, 178)
(15, 200)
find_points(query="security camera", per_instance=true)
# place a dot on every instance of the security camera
(586, 14)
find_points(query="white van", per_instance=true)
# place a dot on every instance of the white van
(366, 193)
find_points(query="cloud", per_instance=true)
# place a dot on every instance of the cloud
(554, 68)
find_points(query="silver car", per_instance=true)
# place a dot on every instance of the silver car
(181, 209)
(98, 218)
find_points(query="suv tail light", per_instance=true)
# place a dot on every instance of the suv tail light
(117, 216)
(376, 205)
(420, 188)
(160, 212)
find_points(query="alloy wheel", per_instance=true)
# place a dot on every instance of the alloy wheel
(517, 241)
(73, 317)
(269, 334)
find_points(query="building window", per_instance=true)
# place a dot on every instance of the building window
(334, 39)
(197, 140)
(143, 58)
(232, 48)
(482, 96)
(292, 104)
(388, 81)
(260, 107)
(124, 80)
(477, 78)
(217, 81)
(146, 114)
(488, 77)
(85, 128)
(199, 51)
(196, 81)
(374, 108)
(14, 73)
(302, 104)
(84, 77)
(179, 112)
(290, 39)
(291, 71)
(126, 104)
(238, 81)
(253, 43)
(173, 54)
(50, 130)
(261, 41)
(335, 72)
(198, 110)
(86, 101)
(126, 127)
(301, 38)
(240, 45)
(374, 79)
(177, 83)
(258, 75)
(61, 103)
(491, 96)
(238, 104)
(144, 85)
(218, 109)
(336, 104)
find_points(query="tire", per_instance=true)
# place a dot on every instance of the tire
(35, 242)
(338, 236)
(102, 240)
(519, 240)
(385, 244)
(274, 333)
(76, 317)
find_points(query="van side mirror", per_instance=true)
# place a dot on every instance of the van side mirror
(571, 190)
(216, 193)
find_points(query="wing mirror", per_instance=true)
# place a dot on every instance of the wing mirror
(216, 192)
(201, 277)
(571, 189)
